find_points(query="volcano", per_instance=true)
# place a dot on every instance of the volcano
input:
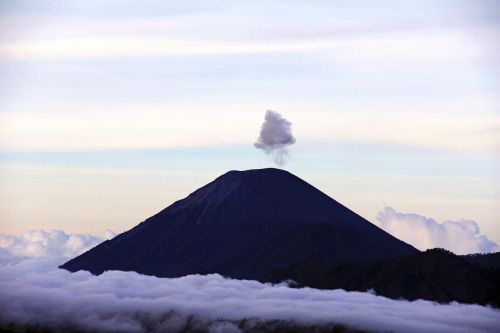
(243, 225)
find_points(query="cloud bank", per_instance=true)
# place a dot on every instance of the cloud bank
(275, 136)
(34, 293)
(460, 237)
(51, 243)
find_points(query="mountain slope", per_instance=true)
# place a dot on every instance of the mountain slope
(489, 261)
(436, 275)
(242, 225)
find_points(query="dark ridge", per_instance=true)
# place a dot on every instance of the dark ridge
(487, 261)
(436, 275)
(242, 225)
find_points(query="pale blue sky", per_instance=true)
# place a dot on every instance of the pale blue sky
(110, 111)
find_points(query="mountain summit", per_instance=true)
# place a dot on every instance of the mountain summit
(243, 225)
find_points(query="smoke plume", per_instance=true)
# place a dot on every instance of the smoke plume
(275, 136)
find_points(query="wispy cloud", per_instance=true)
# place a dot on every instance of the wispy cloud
(143, 46)
(383, 48)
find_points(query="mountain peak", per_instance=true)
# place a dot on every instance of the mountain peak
(256, 173)
(259, 171)
(243, 224)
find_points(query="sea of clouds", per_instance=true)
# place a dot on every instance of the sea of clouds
(35, 293)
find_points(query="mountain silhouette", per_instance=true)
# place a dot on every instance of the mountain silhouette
(436, 275)
(243, 225)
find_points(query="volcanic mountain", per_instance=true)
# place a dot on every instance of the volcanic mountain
(243, 225)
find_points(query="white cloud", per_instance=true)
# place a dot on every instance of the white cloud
(460, 237)
(34, 292)
(51, 243)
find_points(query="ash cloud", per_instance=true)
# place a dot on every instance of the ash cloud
(35, 294)
(460, 237)
(275, 136)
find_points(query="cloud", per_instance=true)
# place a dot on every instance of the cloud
(275, 136)
(35, 293)
(460, 237)
(51, 243)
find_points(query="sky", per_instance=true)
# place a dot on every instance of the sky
(110, 111)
